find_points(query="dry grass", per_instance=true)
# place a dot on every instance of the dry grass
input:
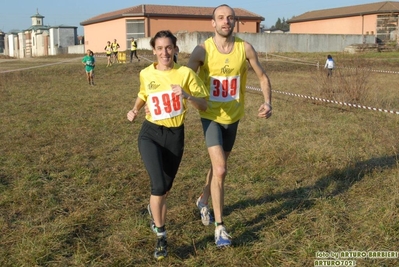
(315, 177)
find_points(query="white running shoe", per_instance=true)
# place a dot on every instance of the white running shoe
(206, 216)
(222, 238)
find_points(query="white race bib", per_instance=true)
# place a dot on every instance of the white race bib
(165, 105)
(224, 89)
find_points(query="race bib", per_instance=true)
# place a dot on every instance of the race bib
(224, 89)
(165, 105)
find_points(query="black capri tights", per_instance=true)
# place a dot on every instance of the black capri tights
(161, 150)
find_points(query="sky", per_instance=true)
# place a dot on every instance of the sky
(16, 14)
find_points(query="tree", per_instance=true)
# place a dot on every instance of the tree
(281, 24)
(278, 24)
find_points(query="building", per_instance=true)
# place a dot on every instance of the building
(378, 19)
(272, 30)
(146, 20)
(40, 40)
(2, 37)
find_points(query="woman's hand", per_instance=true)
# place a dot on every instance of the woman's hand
(132, 114)
(179, 91)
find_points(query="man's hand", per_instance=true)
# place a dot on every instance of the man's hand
(265, 111)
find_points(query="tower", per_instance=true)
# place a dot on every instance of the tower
(37, 19)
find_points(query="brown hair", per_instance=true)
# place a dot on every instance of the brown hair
(163, 34)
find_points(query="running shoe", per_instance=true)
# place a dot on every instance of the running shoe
(206, 216)
(222, 238)
(160, 249)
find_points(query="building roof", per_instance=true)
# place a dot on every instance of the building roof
(37, 28)
(167, 11)
(349, 11)
(37, 15)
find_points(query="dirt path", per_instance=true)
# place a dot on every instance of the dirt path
(12, 64)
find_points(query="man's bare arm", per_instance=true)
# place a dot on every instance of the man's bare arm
(266, 108)
(197, 58)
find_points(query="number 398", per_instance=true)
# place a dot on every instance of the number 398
(166, 103)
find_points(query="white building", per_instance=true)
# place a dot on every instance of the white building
(40, 40)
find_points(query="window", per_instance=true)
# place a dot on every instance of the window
(134, 29)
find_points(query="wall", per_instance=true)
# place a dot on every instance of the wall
(264, 43)
(67, 36)
(96, 35)
(176, 24)
(275, 42)
(54, 40)
(40, 46)
(21, 48)
(281, 42)
(2, 43)
(61, 37)
(12, 45)
(76, 49)
(347, 25)
(192, 25)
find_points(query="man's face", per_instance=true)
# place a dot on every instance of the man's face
(224, 21)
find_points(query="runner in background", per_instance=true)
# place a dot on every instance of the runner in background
(89, 62)
(108, 51)
(115, 46)
(133, 50)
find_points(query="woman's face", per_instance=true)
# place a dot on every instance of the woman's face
(164, 50)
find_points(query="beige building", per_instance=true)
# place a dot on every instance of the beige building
(39, 39)
(378, 19)
(146, 20)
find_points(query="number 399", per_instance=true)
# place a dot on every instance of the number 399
(224, 88)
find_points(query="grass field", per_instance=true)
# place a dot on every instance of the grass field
(315, 177)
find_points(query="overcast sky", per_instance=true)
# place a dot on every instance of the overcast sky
(16, 14)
